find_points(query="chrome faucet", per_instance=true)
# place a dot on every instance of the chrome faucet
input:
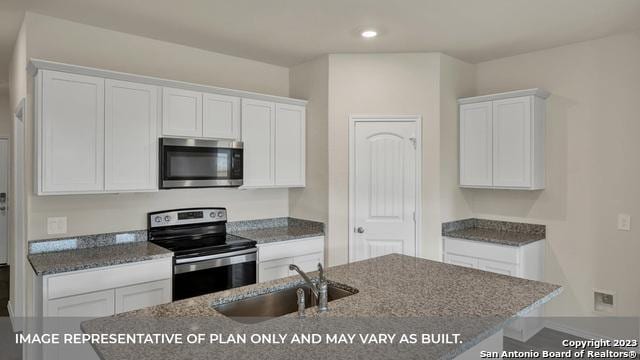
(320, 290)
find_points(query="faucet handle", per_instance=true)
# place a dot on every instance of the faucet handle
(321, 270)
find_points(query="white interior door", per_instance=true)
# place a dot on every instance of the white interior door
(383, 183)
(4, 171)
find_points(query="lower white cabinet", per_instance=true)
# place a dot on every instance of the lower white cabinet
(274, 258)
(65, 300)
(525, 261)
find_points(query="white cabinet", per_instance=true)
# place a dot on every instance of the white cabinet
(274, 144)
(95, 135)
(525, 261)
(220, 116)
(181, 112)
(290, 145)
(195, 114)
(63, 301)
(139, 296)
(502, 140)
(258, 122)
(131, 140)
(274, 258)
(70, 136)
(476, 144)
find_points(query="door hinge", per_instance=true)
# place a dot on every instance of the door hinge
(413, 141)
(414, 216)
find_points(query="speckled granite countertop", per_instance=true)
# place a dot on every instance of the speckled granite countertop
(392, 288)
(47, 263)
(277, 229)
(492, 231)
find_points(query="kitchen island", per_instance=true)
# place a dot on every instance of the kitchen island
(396, 294)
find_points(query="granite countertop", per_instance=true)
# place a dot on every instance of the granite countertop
(394, 289)
(47, 263)
(493, 231)
(277, 229)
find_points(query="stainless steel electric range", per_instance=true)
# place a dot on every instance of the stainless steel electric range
(206, 258)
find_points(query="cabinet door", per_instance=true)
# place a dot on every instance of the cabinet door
(258, 118)
(274, 269)
(498, 267)
(66, 314)
(461, 260)
(309, 262)
(512, 142)
(131, 140)
(476, 144)
(72, 133)
(221, 116)
(143, 295)
(181, 112)
(290, 145)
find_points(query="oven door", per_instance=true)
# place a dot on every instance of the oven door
(200, 163)
(207, 274)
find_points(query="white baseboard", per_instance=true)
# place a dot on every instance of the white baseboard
(580, 333)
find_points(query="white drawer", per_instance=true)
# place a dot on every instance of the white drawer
(85, 281)
(290, 248)
(482, 250)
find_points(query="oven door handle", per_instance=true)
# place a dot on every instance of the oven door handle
(214, 261)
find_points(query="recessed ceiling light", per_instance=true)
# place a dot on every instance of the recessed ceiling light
(368, 34)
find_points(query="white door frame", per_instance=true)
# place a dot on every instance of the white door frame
(18, 222)
(353, 119)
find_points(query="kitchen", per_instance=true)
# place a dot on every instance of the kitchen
(299, 127)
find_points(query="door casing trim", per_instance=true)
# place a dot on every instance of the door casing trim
(353, 119)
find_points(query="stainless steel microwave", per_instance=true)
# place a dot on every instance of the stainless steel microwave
(195, 163)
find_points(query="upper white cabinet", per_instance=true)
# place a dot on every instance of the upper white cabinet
(131, 139)
(502, 140)
(221, 116)
(97, 130)
(95, 135)
(290, 145)
(200, 115)
(181, 112)
(274, 144)
(258, 123)
(70, 133)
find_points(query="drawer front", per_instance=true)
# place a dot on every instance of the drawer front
(290, 248)
(80, 282)
(481, 250)
(274, 269)
(461, 260)
(498, 267)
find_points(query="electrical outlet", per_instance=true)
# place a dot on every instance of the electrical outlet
(56, 225)
(603, 300)
(624, 222)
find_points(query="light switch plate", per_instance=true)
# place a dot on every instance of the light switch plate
(57, 225)
(624, 222)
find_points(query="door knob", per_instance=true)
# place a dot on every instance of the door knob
(360, 230)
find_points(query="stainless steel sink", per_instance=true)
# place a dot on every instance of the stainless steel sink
(281, 302)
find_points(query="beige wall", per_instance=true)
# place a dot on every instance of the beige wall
(64, 41)
(457, 79)
(592, 167)
(311, 81)
(382, 84)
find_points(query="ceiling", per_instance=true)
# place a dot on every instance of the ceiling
(288, 32)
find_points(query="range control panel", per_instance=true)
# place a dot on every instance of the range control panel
(187, 216)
